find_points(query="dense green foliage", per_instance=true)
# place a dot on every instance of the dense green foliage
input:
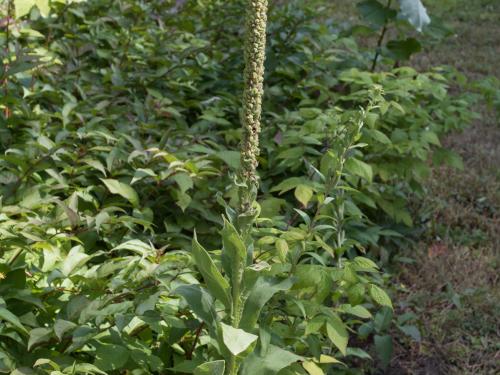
(119, 138)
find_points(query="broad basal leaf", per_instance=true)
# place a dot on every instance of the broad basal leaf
(269, 363)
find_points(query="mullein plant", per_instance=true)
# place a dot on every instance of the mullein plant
(241, 288)
(230, 301)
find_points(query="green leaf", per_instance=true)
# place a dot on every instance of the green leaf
(46, 361)
(403, 49)
(117, 187)
(216, 283)
(110, 357)
(303, 193)
(38, 336)
(231, 158)
(365, 264)
(62, 326)
(183, 200)
(270, 362)
(12, 319)
(141, 173)
(313, 282)
(261, 292)
(379, 136)
(380, 296)
(359, 168)
(138, 247)
(411, 331)
(74, 260)
(431, 138)
(237, 340)
(315, 324)
(200, 302)
(234, 252)
(83, 368)
(375, 13)
(359, 311)
(337, 333)
(288, 184)
(211, 368)
(383, 319)
(96, 164)
(357, 352)
(184, 181)
(383, 347)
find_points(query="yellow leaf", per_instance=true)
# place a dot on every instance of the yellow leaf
(43, 7)
(23, 7)
(303, 193)
(312, 368)
(328, 359)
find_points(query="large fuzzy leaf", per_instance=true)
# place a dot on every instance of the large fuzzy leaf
(261, 292)
(236, 340)
(200, 301)
(216, 283)
(269, 363)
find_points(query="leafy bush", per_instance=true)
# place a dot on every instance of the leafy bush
(119, 138)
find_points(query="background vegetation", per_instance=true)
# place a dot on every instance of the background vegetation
(119, 138)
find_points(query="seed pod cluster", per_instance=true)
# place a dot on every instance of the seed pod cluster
(255, 45)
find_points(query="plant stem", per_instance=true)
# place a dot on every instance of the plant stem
(380, 40)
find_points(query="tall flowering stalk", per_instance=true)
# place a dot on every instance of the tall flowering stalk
(255, 53)
(233, 289)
